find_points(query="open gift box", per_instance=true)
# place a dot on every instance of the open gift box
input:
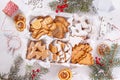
(49, 41)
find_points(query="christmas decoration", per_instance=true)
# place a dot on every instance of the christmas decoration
(36, 71)
(61, 7)
(102, 69)
(72, 6)
(20, 22)
(10, 9)
(10, 43)
(65, 74)
(29, 75)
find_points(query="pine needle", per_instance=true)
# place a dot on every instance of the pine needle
(75, 6)
(13, 74)
(110, 61)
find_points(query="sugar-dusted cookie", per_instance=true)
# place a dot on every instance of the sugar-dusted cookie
(60, 51)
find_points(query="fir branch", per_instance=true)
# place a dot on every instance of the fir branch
(13, 74)
(44, 70)
(109, 61)
(75, 6)
(53, 5)
(116, 62)
(3, 76)
(36, 66)
(15, 68)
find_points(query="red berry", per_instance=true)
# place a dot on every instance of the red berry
(38, 70)
(33, 71)
(56, 11)
(33, 75)
(61, 10)
(58, 6)
(95, 57)
(102, 65)
(62, 6)
(97, 62)
(99, 59)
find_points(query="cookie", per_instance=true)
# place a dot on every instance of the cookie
(34, 34)
(62, 20)
(36, 24)
(47, 20)
(58, 51)
(53, 49)
(88, 60)
(81, 54)
(58, 32)
(48, 26)
(37, 50)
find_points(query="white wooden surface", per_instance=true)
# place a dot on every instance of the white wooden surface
(6, 59)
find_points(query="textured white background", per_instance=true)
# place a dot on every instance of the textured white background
(80, 73)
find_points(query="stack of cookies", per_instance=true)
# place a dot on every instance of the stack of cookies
(48, 26)
(58, 50)
(81, 54)
(37, 50)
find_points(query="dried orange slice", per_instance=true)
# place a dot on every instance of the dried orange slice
(103, 48)
(20, 25)
(65, 74)
(19, 17)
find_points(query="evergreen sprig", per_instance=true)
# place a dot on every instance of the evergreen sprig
(39, 74)
(75, 6)
(109, 61)
(13, 73)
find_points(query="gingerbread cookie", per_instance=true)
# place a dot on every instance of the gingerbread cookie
(81, 54)
(37, 50)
